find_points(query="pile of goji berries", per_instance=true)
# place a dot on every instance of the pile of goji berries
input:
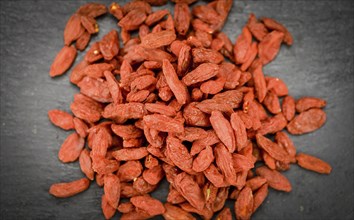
(177, 99)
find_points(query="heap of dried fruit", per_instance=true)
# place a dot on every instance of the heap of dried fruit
(179, 100)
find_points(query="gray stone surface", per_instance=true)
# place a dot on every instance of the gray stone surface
(320, 63)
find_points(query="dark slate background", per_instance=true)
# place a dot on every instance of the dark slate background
(320, 63)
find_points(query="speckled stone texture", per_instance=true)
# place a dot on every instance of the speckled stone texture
(320, 63)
